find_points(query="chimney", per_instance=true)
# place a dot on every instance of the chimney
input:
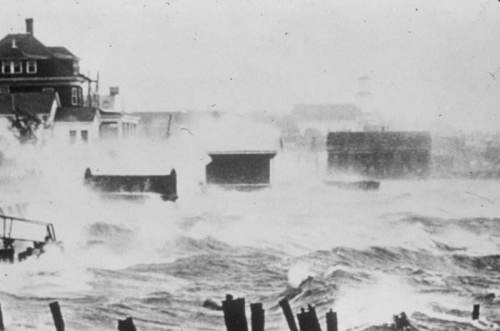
(29, 26)
(114, 90)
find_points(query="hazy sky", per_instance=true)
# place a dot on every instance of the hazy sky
(431, 61)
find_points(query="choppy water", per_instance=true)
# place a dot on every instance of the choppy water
(429, 248)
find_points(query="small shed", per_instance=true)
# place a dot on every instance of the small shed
(240, 167)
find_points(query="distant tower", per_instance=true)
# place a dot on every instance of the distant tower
(364, 95)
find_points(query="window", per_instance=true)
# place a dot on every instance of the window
(31, 67)
(17, 67)
(74, 96)
(12, 67)
(72, 136)
(5, 67)
(84, 135)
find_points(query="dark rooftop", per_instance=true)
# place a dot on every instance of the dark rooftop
(26, 46)
(270, 153)
(61, 52)
(35, 103)
(75, 114)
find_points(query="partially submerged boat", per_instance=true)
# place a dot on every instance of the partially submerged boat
(137, 185)
(22, 238)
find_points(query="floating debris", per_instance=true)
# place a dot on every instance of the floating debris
(17, 235)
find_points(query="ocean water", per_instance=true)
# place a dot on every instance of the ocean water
(425, 247)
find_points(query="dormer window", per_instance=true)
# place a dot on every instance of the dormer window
(31, 67)
(12, 67)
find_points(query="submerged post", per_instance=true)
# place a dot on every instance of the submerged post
(302, 317)
(2, 328)
(257, 316)
(57, 316)
(126, 325)
(287, 311)
(308, 320)
(313, 318)
(234, 314)
(331, 321)
(475, 312)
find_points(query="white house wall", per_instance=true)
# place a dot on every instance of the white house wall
(61, 132)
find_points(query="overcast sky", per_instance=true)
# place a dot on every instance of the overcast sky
(429, 61)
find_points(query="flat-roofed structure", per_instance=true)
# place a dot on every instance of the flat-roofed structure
(380, 154)
(240, 167)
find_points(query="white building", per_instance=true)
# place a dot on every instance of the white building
(76, 125)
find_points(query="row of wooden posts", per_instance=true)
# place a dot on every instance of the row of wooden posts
(123, 325)
(235, 317)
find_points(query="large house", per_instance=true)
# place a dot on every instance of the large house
(27, 65)
(32, 73)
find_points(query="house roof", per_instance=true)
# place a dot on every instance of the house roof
(26, 46)
(268, 153)
(61, 52)
(75, 114)
(326, 112)
(35, 103)
(110, 113)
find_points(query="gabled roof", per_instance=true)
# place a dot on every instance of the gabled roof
(75, 114)
(35, 103)
(61, 52)
(26, 46)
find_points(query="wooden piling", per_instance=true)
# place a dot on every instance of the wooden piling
(475, 312)
(308, 320)
(331, 321)
(57, 316)
(126, 325)
(302, 317)
(234, 314)
(2, 327)
(287, 311)
(258, 316)
(313, 318)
